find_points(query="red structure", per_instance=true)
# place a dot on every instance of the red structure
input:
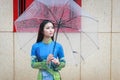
(79, 2)
(18, 7)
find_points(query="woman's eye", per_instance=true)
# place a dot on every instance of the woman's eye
(47, 28)
(52, 27)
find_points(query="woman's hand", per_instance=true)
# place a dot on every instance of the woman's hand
(50, 58)
(56, 61)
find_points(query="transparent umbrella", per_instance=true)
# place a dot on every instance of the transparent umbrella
(67, 16)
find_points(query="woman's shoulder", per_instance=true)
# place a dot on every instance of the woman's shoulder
(58, 44)
(35, 45)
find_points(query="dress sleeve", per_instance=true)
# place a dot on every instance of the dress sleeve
(61, 59)
(34, 61)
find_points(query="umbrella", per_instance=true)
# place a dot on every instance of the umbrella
(67, 16)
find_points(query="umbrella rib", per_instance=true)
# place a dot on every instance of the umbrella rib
(68, 39)
(58, 26)
(51, 13)
(27, 42)
(91, 39)
(79, 17)
(70, 19)
(63, 10)
(71, 44)
(70, 27)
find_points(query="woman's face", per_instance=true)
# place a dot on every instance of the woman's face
(48, 30)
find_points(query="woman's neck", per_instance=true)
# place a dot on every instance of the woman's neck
(47, 40)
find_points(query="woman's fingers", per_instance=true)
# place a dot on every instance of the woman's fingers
(56, 61)
(50, 58)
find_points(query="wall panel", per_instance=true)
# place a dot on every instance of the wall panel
(97, 66)
(115, 70)
(6, 15)
(101, 11)
(23, 70)
(116, 16)
(6, 56)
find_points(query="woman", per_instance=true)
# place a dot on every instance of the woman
(43, 58)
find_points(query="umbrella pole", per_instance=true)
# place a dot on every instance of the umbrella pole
(56, 38)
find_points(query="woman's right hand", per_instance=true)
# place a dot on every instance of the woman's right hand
(50, 58)
(56, 61)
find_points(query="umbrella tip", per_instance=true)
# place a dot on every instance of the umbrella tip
(98, 47)
(74, 51)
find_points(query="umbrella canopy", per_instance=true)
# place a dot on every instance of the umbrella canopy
(63, 13)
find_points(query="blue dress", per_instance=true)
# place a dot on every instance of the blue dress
(39, 53)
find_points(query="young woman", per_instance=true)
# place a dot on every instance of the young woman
(43, 58)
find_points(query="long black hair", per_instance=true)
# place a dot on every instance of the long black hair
(41, 29)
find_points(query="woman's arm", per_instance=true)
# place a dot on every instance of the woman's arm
(61, 65)
(34, 61)
(61, 58)
(38, 65)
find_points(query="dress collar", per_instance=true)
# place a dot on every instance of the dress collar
(49, 41)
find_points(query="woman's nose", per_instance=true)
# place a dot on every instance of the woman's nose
(51, 29)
